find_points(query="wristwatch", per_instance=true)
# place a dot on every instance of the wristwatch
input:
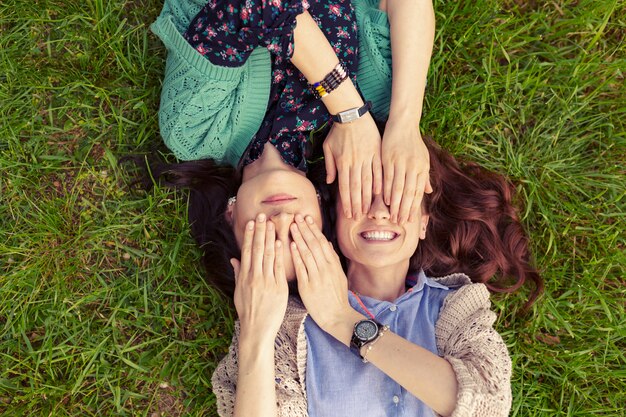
(365, 331)
(351, 115)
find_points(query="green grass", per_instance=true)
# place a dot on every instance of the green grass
(103, 309)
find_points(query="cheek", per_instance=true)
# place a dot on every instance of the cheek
(346, 244)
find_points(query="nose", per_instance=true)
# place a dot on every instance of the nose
(378, 210)
(282, 221)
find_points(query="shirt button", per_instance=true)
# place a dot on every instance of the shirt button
(396, 400)
(393, 307)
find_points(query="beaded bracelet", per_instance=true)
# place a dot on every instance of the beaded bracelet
(370, 345)
(331, 81)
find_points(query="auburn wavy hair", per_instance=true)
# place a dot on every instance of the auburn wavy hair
(474, 226)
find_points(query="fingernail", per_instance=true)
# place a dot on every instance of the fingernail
(278, 244)
(299, 218)
(293, 245)
(261, 217)
(250, 225)
(309, 219)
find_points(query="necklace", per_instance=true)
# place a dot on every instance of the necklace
(358, 299)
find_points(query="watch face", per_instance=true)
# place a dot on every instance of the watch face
(366, 330)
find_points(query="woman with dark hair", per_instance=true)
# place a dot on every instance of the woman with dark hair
(429, 342)
(240, 74)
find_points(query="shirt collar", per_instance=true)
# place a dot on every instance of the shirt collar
(415, 281)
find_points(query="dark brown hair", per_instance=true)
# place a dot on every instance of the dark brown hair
(210, 185)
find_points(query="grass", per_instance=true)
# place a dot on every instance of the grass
(103, 310)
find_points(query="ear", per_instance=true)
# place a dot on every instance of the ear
(424, 226)
(229, 213)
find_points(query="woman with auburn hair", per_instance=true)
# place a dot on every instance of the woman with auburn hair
(385, 337)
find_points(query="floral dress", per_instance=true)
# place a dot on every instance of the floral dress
(227, 31)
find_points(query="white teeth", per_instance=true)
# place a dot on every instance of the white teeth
(378, 235)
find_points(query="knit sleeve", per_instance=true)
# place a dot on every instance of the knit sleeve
(208, 111)
(224, 379)
(290, 360)
(466, 338)
(227, 31)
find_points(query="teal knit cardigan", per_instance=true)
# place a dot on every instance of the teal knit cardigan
(210, 111)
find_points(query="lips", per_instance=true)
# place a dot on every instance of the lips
(379, 235)
(279, 199)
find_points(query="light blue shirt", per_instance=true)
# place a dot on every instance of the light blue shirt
(338, 383)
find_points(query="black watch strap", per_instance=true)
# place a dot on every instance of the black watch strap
(351, 115)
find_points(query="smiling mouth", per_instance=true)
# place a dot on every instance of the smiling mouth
(279, 199)
(379, 236)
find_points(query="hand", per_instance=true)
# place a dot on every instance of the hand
(322, 283)
(352, 150)
(406, 167)
(261, 290)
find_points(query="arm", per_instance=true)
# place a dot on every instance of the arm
(256, 392)
(480, 359)
(402, 361)
(261, 300)
(412, 26)
(405, 157)
(323, 288)
(472, 375)
(351, 150)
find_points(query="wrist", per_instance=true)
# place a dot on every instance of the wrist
(255, 347)
(342, 326)
(350, 115)
(253, 336)
(343, 98)
(410, 115)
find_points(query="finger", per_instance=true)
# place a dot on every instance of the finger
(396, 193)
(268, 252)
(311, 240)
(419, 196)
(334, 253)
(377, 172)
(388, 176)
(235, 264)
(344, 192)
(246, 247)
(303, 249)
(298, 265)
(327, 247)
(408, 195)
(331, 167)
(366, 183)
(317, 232)
(355, 191)
(429, 187)
(279, 263)
(258, 243)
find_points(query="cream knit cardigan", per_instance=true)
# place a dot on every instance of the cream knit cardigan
(464, 334)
